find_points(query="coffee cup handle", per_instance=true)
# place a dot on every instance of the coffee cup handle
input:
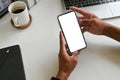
(16, 23)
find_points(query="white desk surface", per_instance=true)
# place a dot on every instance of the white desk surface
(40, 46)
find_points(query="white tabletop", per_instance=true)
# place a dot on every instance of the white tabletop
(40, 46)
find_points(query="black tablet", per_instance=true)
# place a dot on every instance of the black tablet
(11, 64)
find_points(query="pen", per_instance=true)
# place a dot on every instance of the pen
(4, 56)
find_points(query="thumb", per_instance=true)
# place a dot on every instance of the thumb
(76, 53)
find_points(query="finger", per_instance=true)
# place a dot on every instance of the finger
(63, 50)
(83, 19)
(80, 17)
(84, 29)
(75, 53)
(80, 22)
(62, 43)
(81, 11)
(86, 21)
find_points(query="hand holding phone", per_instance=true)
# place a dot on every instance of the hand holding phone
(71, 31)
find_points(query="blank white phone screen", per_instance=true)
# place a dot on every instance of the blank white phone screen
(72, 31)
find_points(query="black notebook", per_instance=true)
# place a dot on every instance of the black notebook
(11, 65)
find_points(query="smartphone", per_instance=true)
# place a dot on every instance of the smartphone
(71, 30)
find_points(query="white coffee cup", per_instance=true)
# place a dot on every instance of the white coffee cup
(19, 13)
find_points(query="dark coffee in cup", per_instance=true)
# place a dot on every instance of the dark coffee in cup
(18, 11)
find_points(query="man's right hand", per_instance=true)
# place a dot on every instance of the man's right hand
(90, 22)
